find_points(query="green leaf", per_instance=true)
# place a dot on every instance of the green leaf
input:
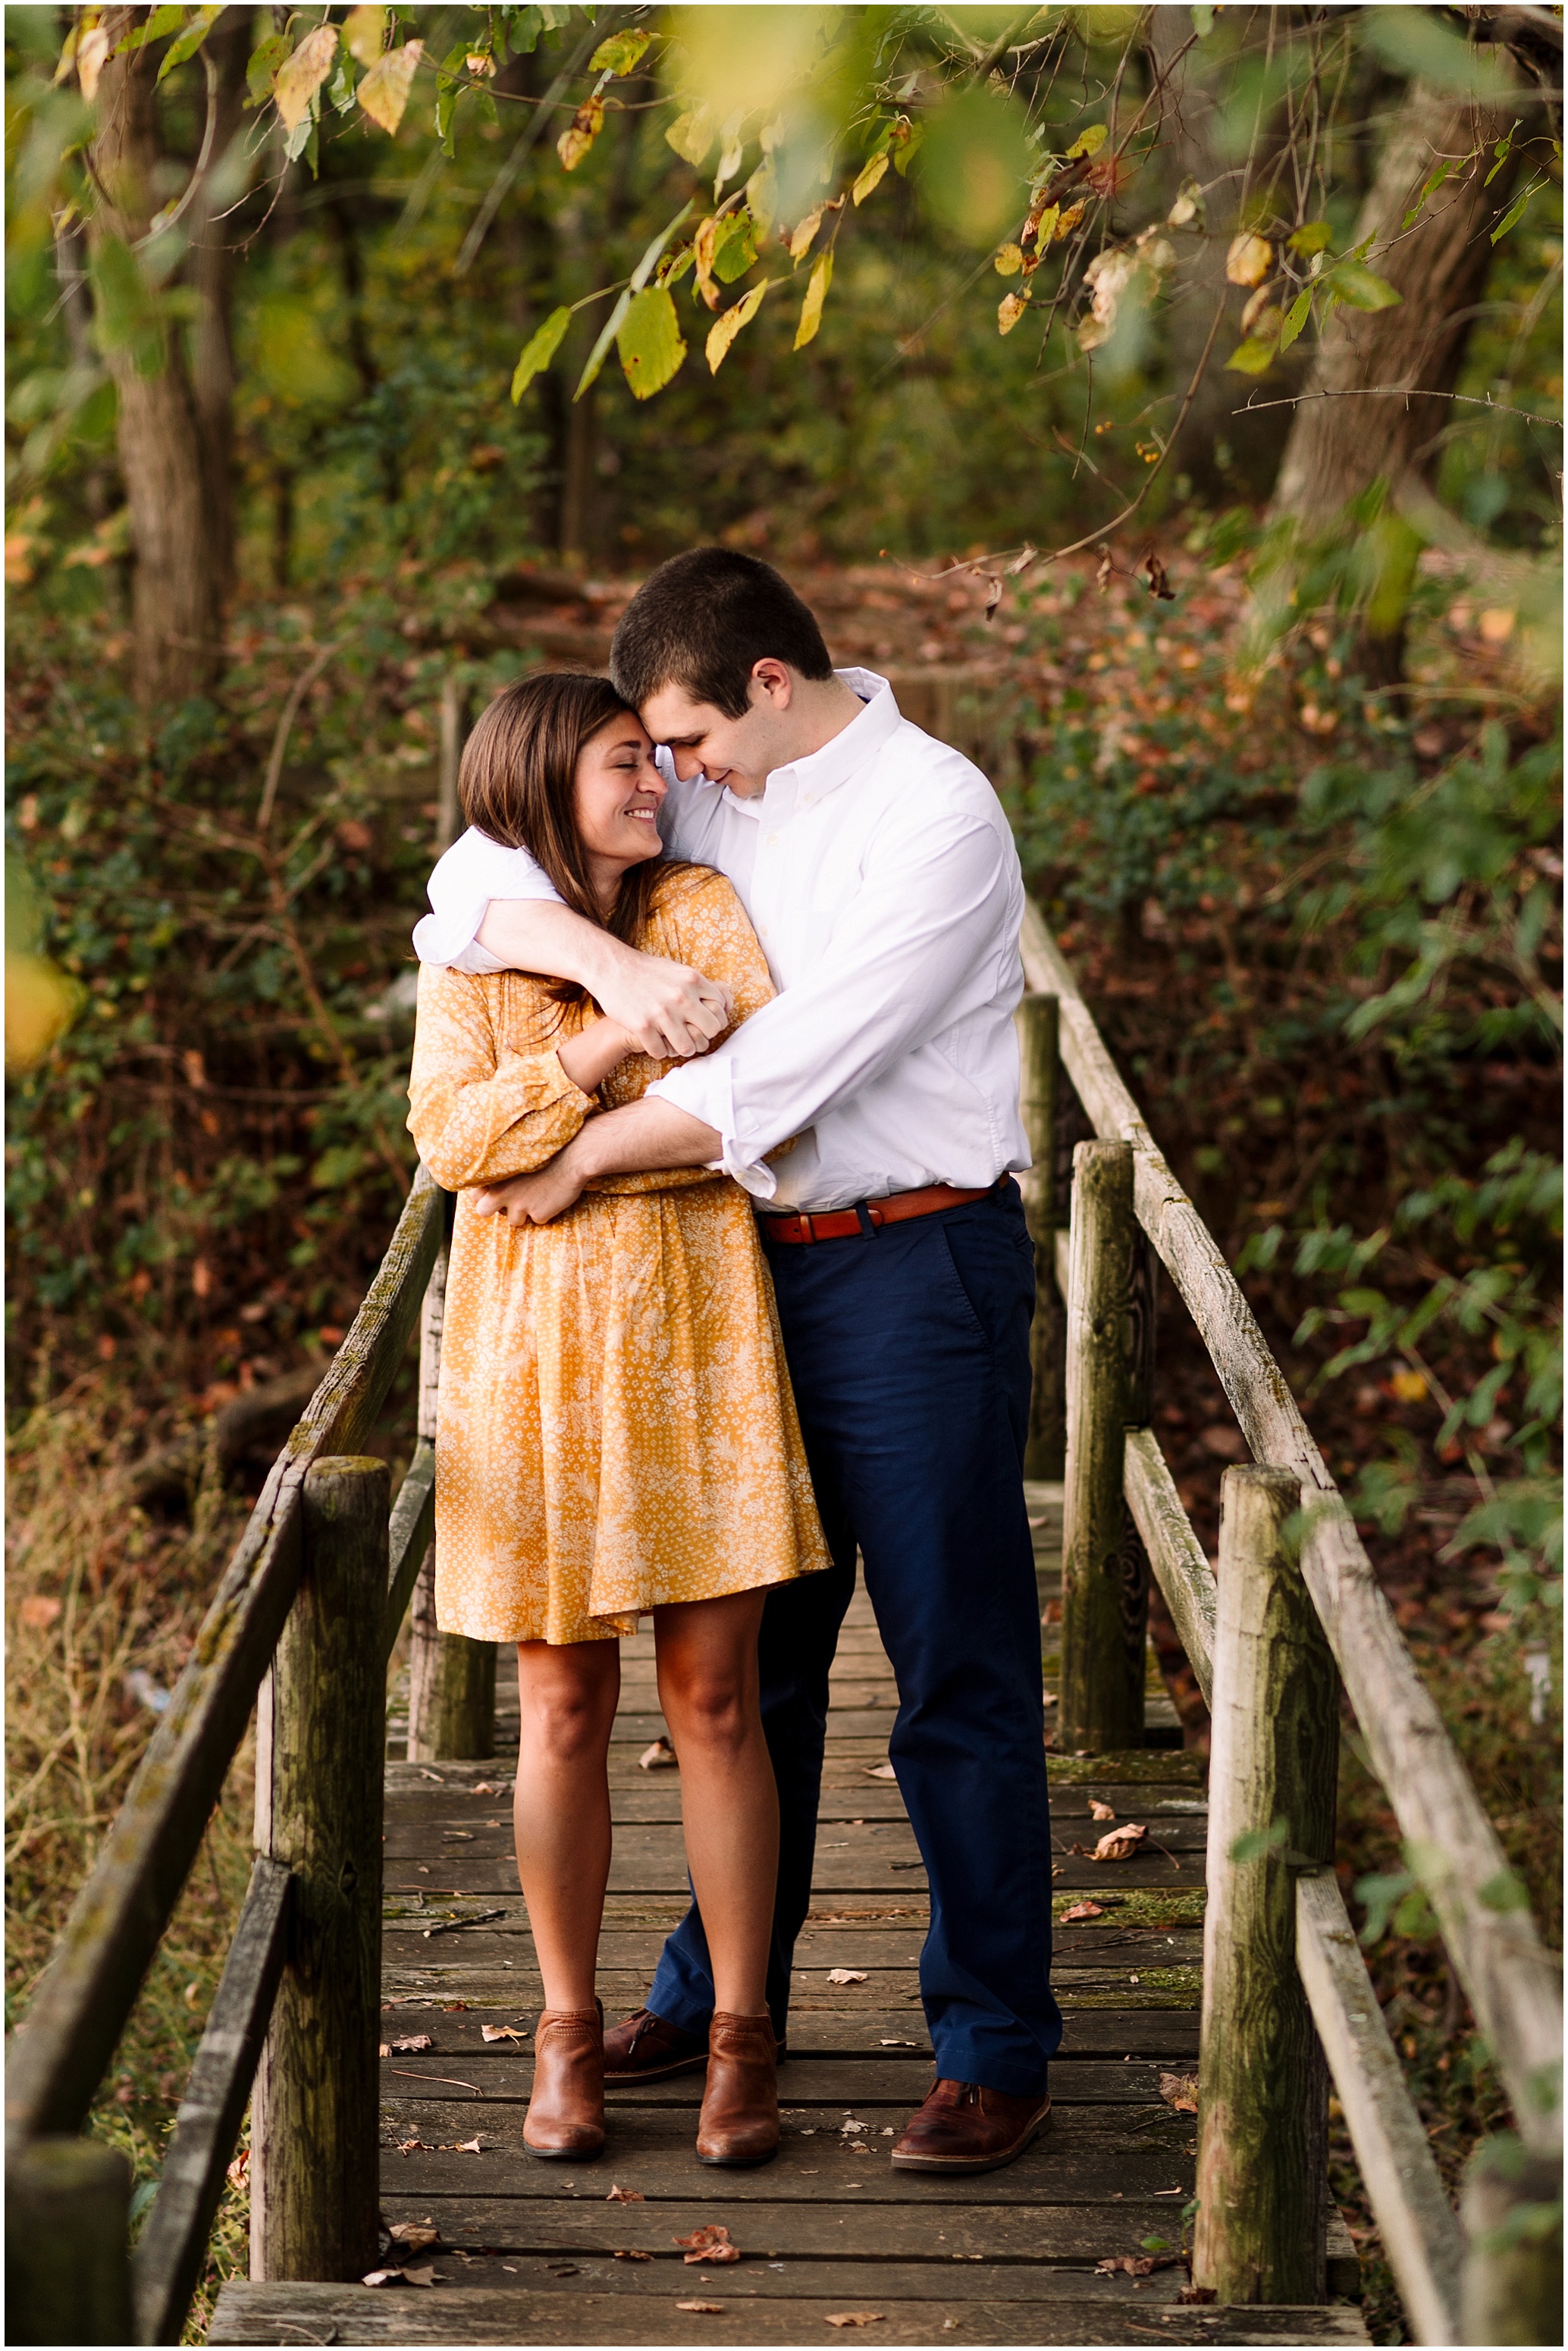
(1514, 214)
(1502, 1892)
(1202, 22)
(539, 350)
(691, 136)
(650, 341)
(191, 39)
(1313, 237)
(619, 54)
(734, 248)
(161, 21)
(1252, 357)
(1502, 150)
(1360, 286)
(1255, 1844)
(1296, 318)
(265, 61)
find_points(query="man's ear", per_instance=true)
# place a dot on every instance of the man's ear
(775, 681)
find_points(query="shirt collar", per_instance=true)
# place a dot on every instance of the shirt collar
(855, 747)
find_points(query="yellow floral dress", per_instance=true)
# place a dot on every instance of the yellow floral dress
(616, 1429)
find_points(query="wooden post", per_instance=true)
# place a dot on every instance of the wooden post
(450, 1681)
(320, 1742)
(1103, 1615)
(1512, 2278)
(67, 2261)
(1045, 1453)
(1262, 2087)
(454, 728)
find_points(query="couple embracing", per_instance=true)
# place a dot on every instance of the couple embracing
(715, 1043)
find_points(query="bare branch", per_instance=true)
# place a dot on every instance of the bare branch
(1398, 392)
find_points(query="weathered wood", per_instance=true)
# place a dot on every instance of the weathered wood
(68, 2269)
(451, 1680)
(1263, 2130)
(1046, 1450)
(57, 2058)
(1512, 2288)
(1420, 2235)
(1176, 1558)
(172, 2248)
(454, 729)
(1514, 1986)
(321, 1734)
(410, 1536)
(1102, 1628)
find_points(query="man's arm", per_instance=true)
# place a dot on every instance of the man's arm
(668, 1009)
(640, 1136)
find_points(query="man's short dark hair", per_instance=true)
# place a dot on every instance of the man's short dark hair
(702, 621)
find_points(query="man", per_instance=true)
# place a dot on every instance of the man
(881, 875)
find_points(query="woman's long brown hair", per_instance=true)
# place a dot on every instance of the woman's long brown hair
(518, 783)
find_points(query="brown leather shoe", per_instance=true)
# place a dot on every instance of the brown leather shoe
(740, 2120)
(963, 2127)
(565, 2111)
(647, 2048)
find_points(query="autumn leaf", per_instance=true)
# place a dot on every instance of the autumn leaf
(650, 341)
(1009, 310)
(1082, 1910)
(691, 136)
(853, 2318)
(503, 2032)
(415, 2236)
(619, 2195)
(723, 331)
(364, 30)
(619, 52)
(412, 2041)
(1180, 2090)
(660, 1757)
(1099, 1811)
(816, 295)
(802, 233)
(539, 350)
(1254, 308)
(92, 50)
(869, 178)
(1159, 581)
(1249, 259)
(707, 2244)
(1134, 2264)
(846, 1975)
(879, 1770)
(1066, 223)
(1120, 1844)
(384, 93)
(702, 255)
(303, 76)
(1008, 261)
(708, 2309)
(1088, 141)
(468, 2146)
(580, 134)
(630, 2253)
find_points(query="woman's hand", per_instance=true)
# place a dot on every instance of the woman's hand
(535, 1199)
(589, 1056)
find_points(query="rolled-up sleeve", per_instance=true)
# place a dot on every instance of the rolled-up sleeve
(920, 946)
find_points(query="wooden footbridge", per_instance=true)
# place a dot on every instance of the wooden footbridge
(384, 1915)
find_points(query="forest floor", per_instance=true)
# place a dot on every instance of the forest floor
(1170, 881)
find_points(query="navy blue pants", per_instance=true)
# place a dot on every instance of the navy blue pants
(908, 1347)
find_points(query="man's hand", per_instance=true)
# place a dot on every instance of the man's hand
(669, 1010)
(535, 1199)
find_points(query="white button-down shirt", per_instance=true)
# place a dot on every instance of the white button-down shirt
(882, 879)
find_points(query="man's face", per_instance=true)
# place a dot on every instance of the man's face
(740, 752)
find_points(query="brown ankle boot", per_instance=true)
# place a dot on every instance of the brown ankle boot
(740, 2120)
(565, 2111)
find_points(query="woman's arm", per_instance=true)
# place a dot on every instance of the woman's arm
(476, 1116)
(669, 1008)
(589, 1056)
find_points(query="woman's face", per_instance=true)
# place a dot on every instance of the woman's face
(620, 792)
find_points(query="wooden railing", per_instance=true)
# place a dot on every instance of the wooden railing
(1295, 1611)
(1295, 1614)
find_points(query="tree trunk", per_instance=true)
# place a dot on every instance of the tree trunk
(175, 422)
(1339, 445)
(210, 272)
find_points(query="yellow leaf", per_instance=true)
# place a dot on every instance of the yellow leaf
(1409, 1387)
(303, 76)
(1067, 223)
(364, 30)
(1008, 260)
(869, 177)
(619, 54)
(702, 253)
(649, 342)
(1009, 310)
(816, 295)
(691, 136)
(723, 331)
(91, 50)
(1255, 306)
(1088, 143)
(1249, 259)
(384, 93)
(580, 134)
(800, 235)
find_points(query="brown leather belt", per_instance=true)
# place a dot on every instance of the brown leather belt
(840, 1224)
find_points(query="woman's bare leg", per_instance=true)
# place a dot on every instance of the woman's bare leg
(708, 1687)
(560, 1809)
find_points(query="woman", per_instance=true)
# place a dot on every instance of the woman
(616, 1431)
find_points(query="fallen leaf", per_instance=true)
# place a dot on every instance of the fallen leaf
(468, 2147)
(412, 2041)
(1099, 1811)
(846, 1975)
(849, 2125)
(504, 2032)
(381, 2277)
(1180, 2090)
(853, 2318)
(1135, 2264)
(491, 1788)
(709, 2309)
(628, 2254)
(1197, 2294)
(414, 2236)
(413, 2147)
(660, 1757)
(419, 2277)
(710, 2243)
(879, 1770)
(1082, 1910)
(619, 2195)
(899, 2044)
(1120, 1844)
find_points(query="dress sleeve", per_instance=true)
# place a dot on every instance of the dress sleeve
(478, 1117)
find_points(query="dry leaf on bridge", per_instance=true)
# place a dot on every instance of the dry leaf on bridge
(1180, 2090)
(410, 2041)
(709, 2243)
(710, 2309)
(660, 1757)
(415, 2236)
(504, 2032)
(630, 2253)
(1135, 2264)
(619, 2195)
(846, 1975)
(1120, 1844)
(1082, 1910)
(853, 2318)
(1099, 1811)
